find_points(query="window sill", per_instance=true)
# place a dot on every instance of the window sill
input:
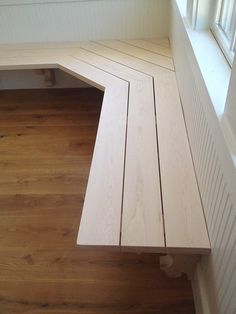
(213, 65)
(216, 74)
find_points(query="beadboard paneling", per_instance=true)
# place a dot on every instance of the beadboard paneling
(82, 20)
(215, 173)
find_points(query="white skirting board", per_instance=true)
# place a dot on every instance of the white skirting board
(199, 292)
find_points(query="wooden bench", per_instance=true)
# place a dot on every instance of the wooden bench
(142, 193)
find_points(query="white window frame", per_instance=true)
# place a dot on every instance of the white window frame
(199, 13)
(204, 15)
(226, 45)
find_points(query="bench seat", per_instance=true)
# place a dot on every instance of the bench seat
(142, 193)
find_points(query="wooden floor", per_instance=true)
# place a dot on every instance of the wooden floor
(46, 145)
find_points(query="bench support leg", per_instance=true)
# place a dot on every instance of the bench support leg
(175, 265)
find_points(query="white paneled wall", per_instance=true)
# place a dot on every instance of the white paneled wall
(43, 21)
(215, 172)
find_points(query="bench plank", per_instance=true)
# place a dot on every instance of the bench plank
(101, 216)
(143, 54)
(158, 49)
(185, 226)
(29, 62)
(142, 222)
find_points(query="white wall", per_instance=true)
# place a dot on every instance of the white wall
(216, 176)
(64, 20)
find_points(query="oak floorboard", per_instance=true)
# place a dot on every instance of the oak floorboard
(41, 268)
(40, 204)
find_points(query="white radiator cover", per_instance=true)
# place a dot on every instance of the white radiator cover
(215, 173)
(81, 20)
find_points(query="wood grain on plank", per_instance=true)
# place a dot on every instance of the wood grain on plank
(100, 223)
(148, 56)
(149, 46)
(142, 223)
(175, 159)
(28, 62)
(115, 51)
(102, 205)
(183, 214)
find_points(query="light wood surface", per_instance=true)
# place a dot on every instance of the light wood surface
(159, 41)
(149, 46)
(101, 218)
(41, 268)
(100, 222)
(142, 223)
(136, 75)
(143, 54)
(179, 188)
(183, 214)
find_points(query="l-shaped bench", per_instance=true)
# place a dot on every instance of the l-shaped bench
(142, 193)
